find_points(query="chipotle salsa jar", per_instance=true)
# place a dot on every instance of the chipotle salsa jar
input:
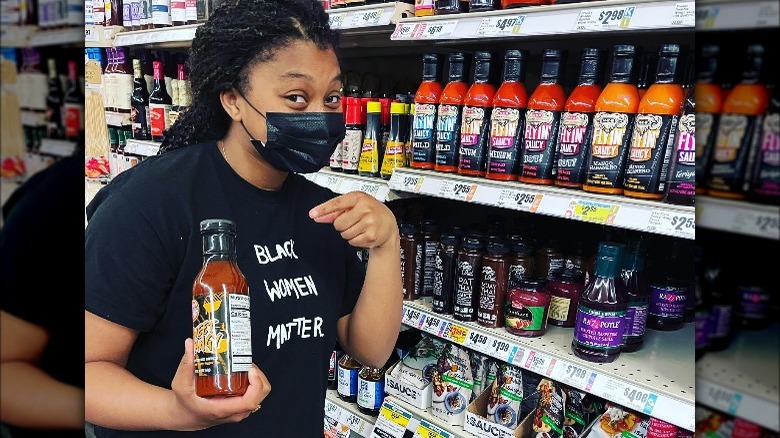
(527, 307)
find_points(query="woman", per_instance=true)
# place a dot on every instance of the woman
(265, 80)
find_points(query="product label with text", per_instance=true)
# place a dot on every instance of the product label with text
(573, 147)
(473, 138)
(766, 179)
(506, 130)
(609, 149)
(448, 135)
(541, 131)
(682, 176)
(423, 144)
(598, 329)
(649, 153)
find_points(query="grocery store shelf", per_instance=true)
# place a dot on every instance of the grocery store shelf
(32, 36)
(397, 417)
(742, 380)
(176, 36)
(713, 15)
(57, 148)
(342, 183)
(738, 217)
(101, 36)
(618, 211)
(657, 380)
(601, 16)
(348, 414)
(142, 147)
(369, 16)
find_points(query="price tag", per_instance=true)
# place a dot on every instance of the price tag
(367, 187)
(433, 325)
(575, 376)
(706, 16)
(427, 430)
(519, 200)
(332, 182)
(355, 423)
(725, 399)
(768, 225)
(337, 20)
(457, 334)
(540, 363)
(457, 190)
(413, 317)
(57, 148)
(406, 183)
(403, 31)
(31, 118)
(391, 422)
(435, 30)
(684, 15)
(590, 211)
(332, 410)
(605, 19)
(499, 349)
(366, 18)
(91, 35)
(500, 26)
(673, 224)
(477, 341)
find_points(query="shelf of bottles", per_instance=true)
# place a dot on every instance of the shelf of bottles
(714, 15)
(371, 15)
(36, 23)
(601, 16)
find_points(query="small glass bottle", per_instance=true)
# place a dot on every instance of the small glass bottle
(701, 322)
(484, 5)
(430, 241)
(446, 265)
(716, 286)
(468, 279)
(411, 261)
(522, 262)
(495, 274)
(451, 6)
(527, 307)
(348, 370)
(668, 293)
(549, 259)
(565, 289)
(371, 390)
(633, 275)
(333, 373)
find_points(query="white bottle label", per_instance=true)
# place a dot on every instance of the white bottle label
(240, 332)
(161, 12)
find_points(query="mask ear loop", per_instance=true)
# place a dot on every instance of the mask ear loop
(251, 137)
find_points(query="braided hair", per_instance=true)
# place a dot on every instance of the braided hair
(237, 36)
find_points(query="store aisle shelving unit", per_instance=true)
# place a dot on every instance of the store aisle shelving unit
(32, 36)
(719, 15)
(739, 217)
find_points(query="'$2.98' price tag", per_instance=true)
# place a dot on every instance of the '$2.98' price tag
(605, 18)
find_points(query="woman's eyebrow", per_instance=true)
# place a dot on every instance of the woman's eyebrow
(304, 76)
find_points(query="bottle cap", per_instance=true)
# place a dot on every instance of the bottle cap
(353, 114)
(473, 242)
(514, 66)
(622, 64)
(429, 226)
(552, 66)
(408, 229)
(431, 62)
(497, 248)
(666, 69)
(374, 107)
(449, 239)
(218, 226)
(397, 108)
(522, 248)
(458, 230)
(609, 258)
(590, 65)
(457, 64)
(482, 67)
(707, 65)
(385, 102)
(754, 59)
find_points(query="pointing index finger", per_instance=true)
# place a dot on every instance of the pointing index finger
(329, 210)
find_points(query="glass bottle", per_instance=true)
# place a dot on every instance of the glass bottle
(451, 6)
(448, 117)
(140, 117)
(430, 241)
(425, 102)
(549, 259)
(445, 274)
(333, 375)
(668, 292)
(709, 104)
(681, 180)
(527, 307)
(161, 13)
(74, 105)
(765, 179)
(159, 104)
(701, 320)
(178, 12)
(353, 139)
(221, 320)
(598, 330)
(348, 370)
(484, 5)
(371, 390)
(475, 124)
(635, 286)
(522, 262)
(123, 77)
(467, 286)
(493, 287)
(54, 119)
(370, 152)
(423, 8)
(565, 290)
(394, 156)
(411, 261)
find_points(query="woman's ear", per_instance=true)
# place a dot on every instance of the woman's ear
(229, 101)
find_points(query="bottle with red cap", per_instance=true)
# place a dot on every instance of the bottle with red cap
(353, 140)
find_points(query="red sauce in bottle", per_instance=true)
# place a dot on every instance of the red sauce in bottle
(425, 101)
(449, 115)
(474, 129)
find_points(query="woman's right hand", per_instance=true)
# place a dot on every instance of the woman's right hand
(194, 413)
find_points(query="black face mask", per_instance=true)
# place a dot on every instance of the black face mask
(299, 142)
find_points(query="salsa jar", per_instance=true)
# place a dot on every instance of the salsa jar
(565, 289)
(527, 307)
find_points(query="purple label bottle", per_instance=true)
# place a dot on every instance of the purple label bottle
(633, 276)
(752, 306)
(669, 292)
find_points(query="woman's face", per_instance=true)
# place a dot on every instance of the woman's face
(299, 78)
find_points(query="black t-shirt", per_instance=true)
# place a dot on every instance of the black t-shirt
(144, 250)
(42, 232)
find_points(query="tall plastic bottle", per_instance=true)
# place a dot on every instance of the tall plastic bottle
(709, 104)
(425, 101)
(449, 115)
(475, 126)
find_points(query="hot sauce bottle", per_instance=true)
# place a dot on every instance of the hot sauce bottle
(425, 102)
(709, 104)
(370, 152)
(542, 119)
(738, 129)
(669, 291)
(394, 152)
(645, 73)
(576, 132)
(765, 182)
(655, 126)
(449, 115)
(220, 315)
(507, 120)
(680, 185)
(615, 111)
(475, 126)
(353, 140)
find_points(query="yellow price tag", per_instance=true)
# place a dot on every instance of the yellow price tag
(424, 432)
(394, 417)
(596, 212)
(458, 334)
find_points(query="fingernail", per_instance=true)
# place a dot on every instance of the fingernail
(313, 213)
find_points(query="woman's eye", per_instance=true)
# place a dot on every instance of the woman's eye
(296, 98)
(333, 100)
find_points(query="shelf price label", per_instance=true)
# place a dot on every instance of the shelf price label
(413, 317)
(768, 225)
(434, 30)
(590, 211)
(332, 410)
(406, 183)
(332, 182)
(392, 421)
(91, 34)
(500, 26)
(575, 375)
(684, 14)
(725, 399)
(433, 325)
(404, 31)
(457, 190)
(540, 363)
(706, 16)
(477, 341)
(367, 187)
(519, 200)
(605, 19)
(427, 430)
(673, 224)
(366, 18)
(337, 20)
(457, 333)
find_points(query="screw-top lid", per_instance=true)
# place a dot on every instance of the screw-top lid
(218, 237)
(522, 248)
(667, 68)
(385, 103)
(397, 108)
(429, 226)
(408, 229)
(497, 248)
(590, 66)
(217, 226)
(458, 230)
(609, 259)
(482, 63)
(449, 239)
(707, 63)
(514, 66)
(431, 62)
(754, 59)
(353, 113)
(374, 107)
(513, 238)
(552, 66)
(457, 64)
(622, 63)
(473, 242)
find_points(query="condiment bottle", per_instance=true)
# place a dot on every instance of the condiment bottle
(353, 140)
(648, 61)
(483, 5)
(352, 3)
(527, 307)
(159, 104)
(467, 286)
(717, 286)
(495, 275)
(615, 111)
(507, 120)
(423, 8)
(370, 156)
(751, 309)
(221, 321)
(371, 390)
(652, 139)
(765, 182)
(475, 126)
(425, 101)
(411, 261)
(709, 104)
(565, 289)
(701, 321)
(430, 242)
(598, 329)
(522, 262)
(348, 370)
(743, 110)
(409, 145)
(446, 267)
(508, 4)
(668, 292)
(635, 287)
(333, 375)
(451, 6)
(449, 115)
(542, 119)
(549, 259)
(394, 155)
(576, 132)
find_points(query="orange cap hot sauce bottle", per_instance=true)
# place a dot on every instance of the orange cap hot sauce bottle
(475, 127)
(449, 114)
(709, 104)
(425, 101)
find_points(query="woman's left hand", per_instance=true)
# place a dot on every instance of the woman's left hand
(362, 220)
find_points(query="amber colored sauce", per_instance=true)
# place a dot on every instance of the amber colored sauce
(454, 94)
(616, 98)
(479, 95)
(429, 92)
(581, 100)
(709, 99)
(509, 95)
(549, 97)
(221, 276)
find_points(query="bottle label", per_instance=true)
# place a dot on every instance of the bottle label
(702, 329)
(139, 117)
(424, 119)
(745, 429)
(650, 152)
(135, 13)
(667, 302)
(720, 321)
(636, 320)
(351, 145)
(682, 176)
(371, 394)
(443, 281)
(332, 368)
(506, 128)
(394, 157)
(337, 157)
(74, 119)
(418, 269)
(573, 147)
(369, 156)
(191, 10)
(159, 115)
(126, 14)
(541, 131)
(429, 266)
(161, 12)
(447, 135)
(423, 5)
(753, 302)
(598, 329)
(522, 317)
(661, 429)
(488, 307)
(348, 382)
(123, 91)
(559, 308)
(766, 179)
(732, 147)
(178, 11)
(221, 332)
(516, 270)
(473, 138)
(607, 162)
(468, 284)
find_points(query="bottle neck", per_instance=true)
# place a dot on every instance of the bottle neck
(158, 71)
(219, 247)
(137, 74)
(456, 72)
(606, 267)
(182, 73)
(429, 71)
